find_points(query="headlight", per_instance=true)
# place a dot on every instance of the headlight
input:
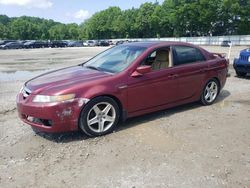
(249, 59)
(56, 98)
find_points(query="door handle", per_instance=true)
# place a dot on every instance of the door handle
(173, 76)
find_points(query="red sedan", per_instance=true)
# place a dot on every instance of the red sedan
(122, 82)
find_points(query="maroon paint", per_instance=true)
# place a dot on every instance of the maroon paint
(138, 93)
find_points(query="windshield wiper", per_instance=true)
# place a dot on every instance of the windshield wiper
(92, 67)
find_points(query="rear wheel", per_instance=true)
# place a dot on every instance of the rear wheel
(99, 117)
(241, 73)
(210, 92)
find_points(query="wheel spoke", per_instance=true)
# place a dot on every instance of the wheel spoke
(207, 88)
(109, 118)
(107, 109)
(207, 95)
(212, 96)
(100, 126)
(96, 109)
(93, 121)
(212, 85)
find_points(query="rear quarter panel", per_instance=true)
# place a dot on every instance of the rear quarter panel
(218, 68)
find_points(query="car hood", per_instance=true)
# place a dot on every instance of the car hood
(64, 78)
(245, 52)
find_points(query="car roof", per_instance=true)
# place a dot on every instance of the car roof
(153, 44)
(159, 44)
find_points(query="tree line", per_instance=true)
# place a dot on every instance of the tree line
(172, 18)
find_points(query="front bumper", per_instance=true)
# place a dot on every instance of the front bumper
(49, 117)
(241, 66)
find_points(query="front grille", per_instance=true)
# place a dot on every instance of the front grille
(244, 57)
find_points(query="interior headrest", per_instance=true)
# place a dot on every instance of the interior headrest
(162, 55)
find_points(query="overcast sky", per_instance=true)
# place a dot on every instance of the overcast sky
(66, 11)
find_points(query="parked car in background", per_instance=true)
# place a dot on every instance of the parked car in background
(36, 44)
(85, 43)
(111, 42)
(75, 44)
(124, 81)
(58, 44)
(226, 43)
(12, 45)
(119, 42)
(103, 43)
(242, 63)
(90, 43)
(2, 42)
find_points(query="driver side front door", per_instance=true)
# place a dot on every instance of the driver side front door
(153, 89)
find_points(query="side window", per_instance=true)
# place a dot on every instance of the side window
(186, 55)
(159, 59)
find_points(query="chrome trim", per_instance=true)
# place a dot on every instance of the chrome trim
(122, 86)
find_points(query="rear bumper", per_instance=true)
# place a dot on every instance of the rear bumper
(241, 66)
(49, 117)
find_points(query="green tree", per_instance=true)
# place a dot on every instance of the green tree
(172, 18)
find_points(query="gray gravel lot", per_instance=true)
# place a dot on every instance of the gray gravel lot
(187, 146)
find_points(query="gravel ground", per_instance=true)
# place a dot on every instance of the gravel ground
(187, 146)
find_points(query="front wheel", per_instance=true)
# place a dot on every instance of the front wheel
(99, 117)
(210, 92)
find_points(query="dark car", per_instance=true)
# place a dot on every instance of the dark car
(119, 42)
(6, 41)
(242, 64)
(58, 44)
(226, 43)
(103, 43)
(36, 44)
(75, 44)
(12, 45)
(122, 82)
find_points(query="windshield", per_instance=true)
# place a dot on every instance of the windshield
(115, 59)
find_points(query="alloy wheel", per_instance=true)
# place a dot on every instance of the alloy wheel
(211, 91)
(101, 117)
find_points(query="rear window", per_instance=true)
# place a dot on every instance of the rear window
(186, 55)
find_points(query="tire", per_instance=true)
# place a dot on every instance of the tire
(94, 121)
(210, 92)
(241, 74)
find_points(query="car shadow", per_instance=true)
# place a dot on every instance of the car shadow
(247, 77)
(129, 123)
(168, 112)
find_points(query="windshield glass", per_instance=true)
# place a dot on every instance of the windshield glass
(115, 59)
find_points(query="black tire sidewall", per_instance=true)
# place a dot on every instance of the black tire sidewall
(241, 74)
(84, 113)
(203, 100)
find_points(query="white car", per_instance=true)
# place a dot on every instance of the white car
(89, 43)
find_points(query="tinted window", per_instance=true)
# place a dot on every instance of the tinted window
(186, 54)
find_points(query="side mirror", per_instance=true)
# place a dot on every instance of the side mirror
(141, 71)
